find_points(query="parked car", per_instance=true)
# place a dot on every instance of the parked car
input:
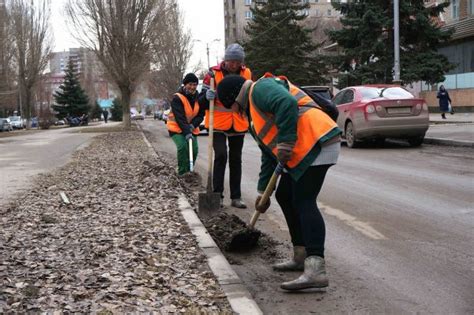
(158, 114)
(5, 124)
(60, 122)
(34, 122)
(17, 122)
(377, 112)
(137, 116)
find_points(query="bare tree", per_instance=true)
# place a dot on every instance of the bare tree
(121, 33)
(7, 69)
(171, 51)
(32, 38)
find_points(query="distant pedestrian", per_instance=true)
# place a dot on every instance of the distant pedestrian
(445, 103)
(106, 115)
(184, 119)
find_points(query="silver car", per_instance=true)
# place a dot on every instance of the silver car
(377, 112)
(17, 122)
(5, 124)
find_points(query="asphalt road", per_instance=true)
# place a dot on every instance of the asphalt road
(400, 230)
(24, 155)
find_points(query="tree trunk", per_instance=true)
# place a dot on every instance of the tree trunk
(126, 96)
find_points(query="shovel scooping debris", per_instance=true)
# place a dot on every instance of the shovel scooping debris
(247, 238)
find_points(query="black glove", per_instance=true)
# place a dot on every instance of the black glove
(285, 151)
(263, 208)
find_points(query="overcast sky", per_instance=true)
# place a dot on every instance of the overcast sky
(204, 18)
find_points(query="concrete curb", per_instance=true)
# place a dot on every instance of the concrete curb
(237, 294)
(449, 142)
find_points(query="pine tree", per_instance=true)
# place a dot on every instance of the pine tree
(278, 43)
(71, 98)
(117, 110)
(366, 40)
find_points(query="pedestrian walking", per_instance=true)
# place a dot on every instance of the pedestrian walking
(183, 121)
(105, 113)
(290, 129)
(445, 105)
(229, 127)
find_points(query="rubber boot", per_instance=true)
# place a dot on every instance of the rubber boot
(294, 264)
(314, 276)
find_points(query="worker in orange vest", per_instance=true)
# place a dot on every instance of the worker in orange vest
(228, 126)
(290, 129)
(183, 121)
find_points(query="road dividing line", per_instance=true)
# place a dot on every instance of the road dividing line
(352, 221)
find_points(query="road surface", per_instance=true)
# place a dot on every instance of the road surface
(400, 230)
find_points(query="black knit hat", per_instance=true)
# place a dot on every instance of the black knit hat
(190, 78)
(229, 88)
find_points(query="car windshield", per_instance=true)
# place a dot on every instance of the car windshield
(388, 92)
(14, 118)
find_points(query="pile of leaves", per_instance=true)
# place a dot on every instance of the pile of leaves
(119, 246)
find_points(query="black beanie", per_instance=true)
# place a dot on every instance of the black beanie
(229, 88)
(190, 78)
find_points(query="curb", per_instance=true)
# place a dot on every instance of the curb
(449, 142)
(237, 294)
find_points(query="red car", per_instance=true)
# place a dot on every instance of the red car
(376, 112)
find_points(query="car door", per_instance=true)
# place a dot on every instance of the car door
(343, 101)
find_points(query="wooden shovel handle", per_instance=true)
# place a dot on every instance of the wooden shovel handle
(210, 141)
(267, 193)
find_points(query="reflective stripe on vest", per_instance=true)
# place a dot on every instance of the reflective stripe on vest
(312, 125)
(188, 111)
(225, 118)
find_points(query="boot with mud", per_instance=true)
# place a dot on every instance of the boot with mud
(314, 276)
(294, 264)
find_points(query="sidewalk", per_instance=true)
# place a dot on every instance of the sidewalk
(455, 130)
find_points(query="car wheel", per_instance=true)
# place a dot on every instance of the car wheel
(416, 141)
(351, 139)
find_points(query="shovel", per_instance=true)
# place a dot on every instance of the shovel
(191, 155)
(247, 238)
(209, 202)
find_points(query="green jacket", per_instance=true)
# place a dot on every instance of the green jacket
(272, 95)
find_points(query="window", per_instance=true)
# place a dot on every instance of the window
(248, 15)
(348, 97)
(455, 9)
(471, 7)
(248, 2)
(329, 12)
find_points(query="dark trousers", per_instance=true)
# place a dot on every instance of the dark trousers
(235, 163)
(297, 199)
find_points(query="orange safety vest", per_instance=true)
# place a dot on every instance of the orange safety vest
(189, 112)
(225, 118)
(313, 124)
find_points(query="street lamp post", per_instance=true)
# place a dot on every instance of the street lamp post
(207, 49)
(396, 41)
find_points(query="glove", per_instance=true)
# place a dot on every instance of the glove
(264, 207)
(210, 95)
(188, 136)
(285, 151)
(191, 127)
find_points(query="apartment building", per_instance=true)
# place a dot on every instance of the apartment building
(237, 15)
(459, 51)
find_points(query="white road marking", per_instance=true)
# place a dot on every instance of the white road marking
(352, 221)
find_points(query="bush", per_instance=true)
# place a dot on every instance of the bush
(45, 119)
(117, 110)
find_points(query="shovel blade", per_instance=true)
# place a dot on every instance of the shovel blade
(209, 203)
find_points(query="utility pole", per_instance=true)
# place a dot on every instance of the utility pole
(396, 41)
(207, 49)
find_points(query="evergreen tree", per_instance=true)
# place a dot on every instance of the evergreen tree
(116, 110)
(71, 97)
(278, 43)
(366, 40)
